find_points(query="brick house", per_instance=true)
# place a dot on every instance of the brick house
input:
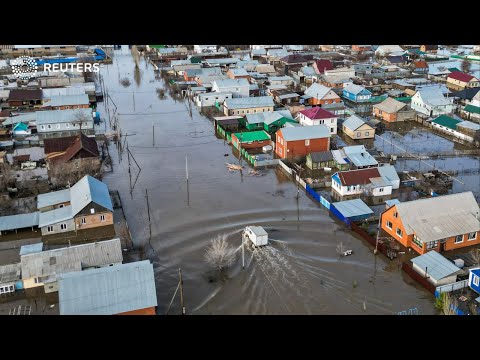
(298, 141)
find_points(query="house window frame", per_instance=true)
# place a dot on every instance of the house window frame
(102, 218)
(387, 223)
(395, 214)
(432, 245)
(83, 220)
(399, 230)
(456, 238)
(474, 236)
(417, 241)
(50, 228)
(307, 142)
(63, 226)
(359, 133)
(475, 280)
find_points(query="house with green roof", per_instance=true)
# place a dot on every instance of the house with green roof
(464, 130)
(251, 139)
(472, 110)
(269, 121)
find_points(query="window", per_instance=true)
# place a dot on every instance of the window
(476, 280)
(37, 280)
(366, 133)
(61, 206)
(92, 211)
(332, 121)
(389, 224)
(74, 125)
(280, 151)
(84, 220)
(42, 127)
(307, 142)
(58, 126)
(359, 134)
(399, 232)
(63, 226)
(206, 99)
(50, 228)
(49, 126)
(432, 245)
(472, 236)
(458, 239)
(53, 260)
(395, 214)
(331, 129)
(417, 241)
(67, 125)
(102, 217)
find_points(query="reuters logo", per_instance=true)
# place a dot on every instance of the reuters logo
(24, 67)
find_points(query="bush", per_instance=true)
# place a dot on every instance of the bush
(219, 255)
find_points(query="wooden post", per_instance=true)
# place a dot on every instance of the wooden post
(148, 211)
(182, 304)
(186, 174)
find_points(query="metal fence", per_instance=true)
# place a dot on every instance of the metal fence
(451, 287)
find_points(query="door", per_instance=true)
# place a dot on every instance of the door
(442, 246)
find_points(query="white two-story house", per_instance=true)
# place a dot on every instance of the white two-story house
(431, 102)
(318, 116)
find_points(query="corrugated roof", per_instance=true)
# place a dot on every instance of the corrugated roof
(109, 290)
(239, 72)
(359, 156)
(280, 78)
(354, 89)
(55, 216)
(64, 100)
(10, 273)
(305, 132)
(322, 65)
(317, 113)
(31, 249)
(472, 109)
(79, 143)
(357, 177)
(249, 102)
(50, 263)
(88, 189)
(390, 105)
(338, 156)
(321, 156)
(469, 125)
(53, 198)
(250, 136)
(18, 221)
(230, 83)
(25, 94)
(308, 71)
(433, 96)
(25, 117)
(317, 91)
(440, 217)
(446, 121)
(388, 173)
(435, 265)
(392, 202)
(461, 76)
(222, 61)
(352, 208)
(354, 122)
(63, 116)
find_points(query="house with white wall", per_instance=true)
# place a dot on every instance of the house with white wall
(237, 87)
(318, 116)
(431, 102)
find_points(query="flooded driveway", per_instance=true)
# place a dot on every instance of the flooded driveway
(298, 273)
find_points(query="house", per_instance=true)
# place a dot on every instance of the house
(205, 49)
(472, 110)
(431, 102)
(19, 222)
(79, 147)
(320, 66)
(362, 69)
(294, 142)
(63, 122)
(396, 60)
(384, 50)
(250, 105)
(296, 59)
(341, 160)
(284, 96)
(251, 139)
(228, 123)
(221, 62)
(206, 80)
(320, 95)
(318, 116)
(123, 289)
(459, 80)
(281, 80)
(440, 223)
(237, 87)
(354, 210)
(474, 280)
(356, 93)
(211, 99)
(319, 160)
(359, 157)
(419, 67)
(25, 98)
(83, 212)
(355, 128)
(464, 130)
(392, 110)
(307, 75)
(429, 48)
(370, 182)
(238, 74)
(43, 268)
(21, 129)
(63, 102)
(10, 278)
(437, 269)
(269, 121)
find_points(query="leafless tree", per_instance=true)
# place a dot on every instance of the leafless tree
(475, 253)
(70, 172)
(361, 56)
(136, 55)
(219, 255)
(79, 118)
(6, 174)
(466, 65)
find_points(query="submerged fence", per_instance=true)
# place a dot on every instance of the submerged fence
(418, 278)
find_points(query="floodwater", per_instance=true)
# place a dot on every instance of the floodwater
(299, 272)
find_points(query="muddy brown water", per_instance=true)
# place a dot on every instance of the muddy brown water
(299, 272)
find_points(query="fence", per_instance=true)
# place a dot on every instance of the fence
(451, 287)
(418, 278)
(267, 162)
(285, 167)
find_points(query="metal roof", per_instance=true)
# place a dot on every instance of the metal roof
(339, 159)
(18, 221)
(89, 189)
(249, 102)
(432, 96)
(446, 121)
(239, 72)
(64, 100)
(62, 116)
(280, 78)
(435, 265)
(30, 249)
(222, 61)
(317, 113)
(231, 83)
(53, 198)
(389, 173)
(357, 176)
(392, 202)
(469, 125)
(54, 216)
(317, 91)
(250, 136)
(10, 273)
(258, 230)
(305, 132)
(74, 258)
(354, 89)
(472, 109)
(321, 156)
(268, 117)
(26, 117)
(359, 156)
(354, 122)
(308, 71)
(390, 105)
(66, 91)
(440, 217)
(352, 208)
(109, 290)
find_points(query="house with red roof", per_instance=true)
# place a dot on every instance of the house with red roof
(458, 80)
(321, 65)
(318, 116)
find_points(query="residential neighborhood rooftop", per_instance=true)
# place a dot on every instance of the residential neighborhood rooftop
(435, 265)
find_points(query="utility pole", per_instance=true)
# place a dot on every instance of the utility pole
(186, 173)
(153, 134)
(148, 211)
(240, 147)
(182, 304)
(378, 233)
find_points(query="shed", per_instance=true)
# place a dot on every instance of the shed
(19, 221)
(320, 159)
(353, 210)
(436, 268)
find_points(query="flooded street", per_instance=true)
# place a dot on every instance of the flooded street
(299, 272)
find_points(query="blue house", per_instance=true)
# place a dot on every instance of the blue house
(474, 280)
(356, 93)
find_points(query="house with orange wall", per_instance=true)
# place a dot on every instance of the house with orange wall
(392, 110)
(298, 141)
(320, 95)
(440, 223)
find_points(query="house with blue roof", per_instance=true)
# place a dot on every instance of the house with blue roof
(81, 213)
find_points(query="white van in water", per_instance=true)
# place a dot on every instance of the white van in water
(257, 235)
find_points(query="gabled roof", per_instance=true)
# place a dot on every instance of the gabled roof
(461, 76)
(446, 121)
(249, 136)
(440, 217)
(390, 105)
(230, 83)
(268, 117)
(88, 189)
(109, 290)
(420, 64)
(30, 249)
(435, 265)
(65, 100)
(432, 96)
(317, 91)
(63, 116)
(355, 89)
(53, 198)
(249, 102)
(354, 122)
(55, 216)
(64, 143)
(25, 94)
(322, 65)
(352, 208)
(472, 109)
(51, 92)
(239, 72)
(357, 177)
(80, 142)
(469, 125)
(296, 58)
(317, 112)
(467, 93)
(305, 132)
(359, 156)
